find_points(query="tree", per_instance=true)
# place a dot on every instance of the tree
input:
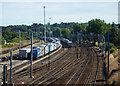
(66, 32)
(3, 40)
(98, 26)
(79, 28)
(57, 32)
(7, 35)
(114, 36)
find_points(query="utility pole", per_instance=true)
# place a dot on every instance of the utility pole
(44, 26)
(49, 28)
(77, 44)
(108, 51)
(49, 57)
(98, 40)
(19, 39)
(11, 82)
(31, 56)
(4, 75)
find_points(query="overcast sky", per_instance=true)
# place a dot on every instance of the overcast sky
(16, 13)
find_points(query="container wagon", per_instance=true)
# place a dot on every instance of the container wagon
(24, 52)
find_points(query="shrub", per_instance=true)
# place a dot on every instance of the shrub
(115, 56)
(97, 46)
(15, 39)
(119, 59)
(111, 45)
(8, 45)
(112, 50)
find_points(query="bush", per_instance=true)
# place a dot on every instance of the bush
(97, 46)
(111, 45)
(119, 59)
(15, 39)
(8, 45)
(115, 56)
(3, 41)
(112, 50)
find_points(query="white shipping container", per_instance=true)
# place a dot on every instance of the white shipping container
(53, 46)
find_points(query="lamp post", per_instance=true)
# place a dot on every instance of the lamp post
(44, 26)
(49, 28)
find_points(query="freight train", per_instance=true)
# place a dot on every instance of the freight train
(43, 49)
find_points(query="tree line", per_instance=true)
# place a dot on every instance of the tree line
(11, 33)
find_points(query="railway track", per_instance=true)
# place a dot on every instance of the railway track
(65, 68)
(35, 66)
(7, 51)
(5, 56)
(83, 74)
(64, 72)
(74, 80)
(26, 63)
(38, 68)
(57, 72)
(42, 65)
(87, 73)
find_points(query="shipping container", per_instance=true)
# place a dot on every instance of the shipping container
(44, 47)
(58, 43)
(50, 47)
(24, 52)
(36, 52)
(36, 47)
(53, 46)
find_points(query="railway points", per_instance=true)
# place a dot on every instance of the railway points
(70, 63)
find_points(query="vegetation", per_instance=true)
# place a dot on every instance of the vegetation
(65, 32)
(57, 32)
(79, 28)
(111, 45)
(8, 45)
(96, 26)
(115, 56)
(119, 59)
(112, 50)
(115, 36)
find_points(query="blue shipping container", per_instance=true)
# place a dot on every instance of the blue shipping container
(36, 47)
(36, 52)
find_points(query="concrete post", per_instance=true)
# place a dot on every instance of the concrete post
(49, 58)
(5, 75)
(19, 39)
(31, 56)
(108, 51)
(11, 82)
